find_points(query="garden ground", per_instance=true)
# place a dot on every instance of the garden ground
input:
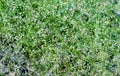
(60, 37)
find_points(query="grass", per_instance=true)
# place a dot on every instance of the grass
(64, 37)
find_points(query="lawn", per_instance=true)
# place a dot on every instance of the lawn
(60, 37)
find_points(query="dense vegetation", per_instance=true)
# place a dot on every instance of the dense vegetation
(60, 37)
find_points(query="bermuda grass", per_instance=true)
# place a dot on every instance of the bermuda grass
(64, 37)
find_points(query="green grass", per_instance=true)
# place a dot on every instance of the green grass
(64, 37)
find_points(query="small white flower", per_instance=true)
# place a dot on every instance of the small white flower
(118, 12)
